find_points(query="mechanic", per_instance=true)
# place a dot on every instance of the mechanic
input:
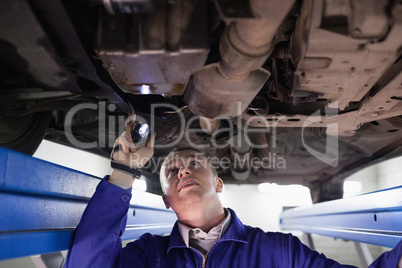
(205, 235)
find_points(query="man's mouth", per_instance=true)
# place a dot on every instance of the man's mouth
(185, 184)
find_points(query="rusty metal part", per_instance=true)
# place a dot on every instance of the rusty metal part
(259, 106)
(240, 149)
(26, 48)
(62, 32)
(127, 7)
(237, 78)
(210, 94)
(233, 10)
(209, 125)
(159, 50)
(386, 94)
(31, 94)
(369, 19)
(339, 63)
(348, 122)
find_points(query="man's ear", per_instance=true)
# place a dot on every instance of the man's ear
(166, 201)
(219, 185)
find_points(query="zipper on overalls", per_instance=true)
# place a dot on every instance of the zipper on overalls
(204, 257)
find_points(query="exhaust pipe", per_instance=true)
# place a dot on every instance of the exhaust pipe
(218, 88)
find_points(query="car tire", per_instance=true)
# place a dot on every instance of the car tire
(24, 133)
(326, 191)
(153, 183)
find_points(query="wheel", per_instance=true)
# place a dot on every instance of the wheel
(326, 191)
(24, 133)
(153, 183)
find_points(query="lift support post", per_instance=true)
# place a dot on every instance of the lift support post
(373, 218)
(42, 203)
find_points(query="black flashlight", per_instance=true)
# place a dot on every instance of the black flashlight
(140, 134)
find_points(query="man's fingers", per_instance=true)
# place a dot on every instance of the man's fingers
(130, 121)
(129, 141)
(151, 141)
(126, 142)
(123, 145)
(130, 155)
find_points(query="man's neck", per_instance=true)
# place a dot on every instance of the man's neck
(203, 218)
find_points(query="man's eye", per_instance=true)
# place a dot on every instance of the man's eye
(195, 164)
(173, 170)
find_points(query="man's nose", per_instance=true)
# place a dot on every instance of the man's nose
(183, 171)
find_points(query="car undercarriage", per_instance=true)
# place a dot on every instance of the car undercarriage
(288, 92)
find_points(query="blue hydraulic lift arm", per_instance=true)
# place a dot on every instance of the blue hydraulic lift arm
(374, 218)
(41, 204)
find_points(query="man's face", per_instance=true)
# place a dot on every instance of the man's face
(188, 180)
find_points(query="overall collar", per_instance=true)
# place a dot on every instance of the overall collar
(215, 233)
(236, 232)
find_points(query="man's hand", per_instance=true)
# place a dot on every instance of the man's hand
(130, 156)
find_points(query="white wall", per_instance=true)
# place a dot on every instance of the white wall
(262, 209)
(73, 158)
(390, 173)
